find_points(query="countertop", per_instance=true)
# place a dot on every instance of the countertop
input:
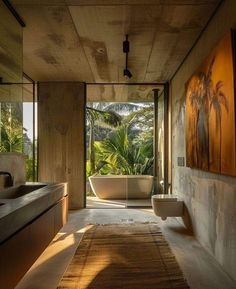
(16, 213)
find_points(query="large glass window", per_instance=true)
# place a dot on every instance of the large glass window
(28, 138)
(120, 143)
(11, 139)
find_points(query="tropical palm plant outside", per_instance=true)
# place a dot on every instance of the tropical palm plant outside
(126, 147)
(11, 139)
(103, 117)
(13, 136)
(121, 155)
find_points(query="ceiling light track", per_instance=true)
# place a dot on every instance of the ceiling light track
(126, 49)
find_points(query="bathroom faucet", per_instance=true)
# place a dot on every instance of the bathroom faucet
(11, 179)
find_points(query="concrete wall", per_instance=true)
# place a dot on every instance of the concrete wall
(13, 163)
(210, 198)
(61, 117)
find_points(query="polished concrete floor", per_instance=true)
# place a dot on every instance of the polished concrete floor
(199, 268)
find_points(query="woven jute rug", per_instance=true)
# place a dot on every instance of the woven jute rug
(130, 256)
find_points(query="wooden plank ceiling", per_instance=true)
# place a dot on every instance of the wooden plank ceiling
(82, 40)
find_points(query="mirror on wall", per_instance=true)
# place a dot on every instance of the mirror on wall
(18, 123)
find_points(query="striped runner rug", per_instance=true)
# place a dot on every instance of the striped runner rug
(129, 256)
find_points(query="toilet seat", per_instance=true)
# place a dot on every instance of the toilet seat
(165, 205)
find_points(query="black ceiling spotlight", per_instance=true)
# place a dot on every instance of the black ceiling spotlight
(127, 72)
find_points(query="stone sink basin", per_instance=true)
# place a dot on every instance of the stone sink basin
(19, 191)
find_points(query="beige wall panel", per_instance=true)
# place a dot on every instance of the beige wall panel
(61, 137)
(210, 198)
(14, 163)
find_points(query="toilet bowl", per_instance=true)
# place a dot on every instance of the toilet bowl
(167, 206)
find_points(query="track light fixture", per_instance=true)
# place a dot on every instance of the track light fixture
(127, 72)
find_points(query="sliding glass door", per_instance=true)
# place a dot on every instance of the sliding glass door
(161, 185)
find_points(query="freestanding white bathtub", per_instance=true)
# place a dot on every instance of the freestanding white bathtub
(122, 186)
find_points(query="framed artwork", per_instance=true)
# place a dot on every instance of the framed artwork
(210, 111)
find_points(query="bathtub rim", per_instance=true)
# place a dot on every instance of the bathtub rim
(121, 176)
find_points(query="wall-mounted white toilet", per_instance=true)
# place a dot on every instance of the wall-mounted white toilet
(167, 206)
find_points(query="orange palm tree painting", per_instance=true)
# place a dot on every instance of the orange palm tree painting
(210, 112)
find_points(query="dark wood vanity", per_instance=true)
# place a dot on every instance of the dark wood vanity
(27, 226)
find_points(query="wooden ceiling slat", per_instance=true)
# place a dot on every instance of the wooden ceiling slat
(103, 29)
(177, 30)
(82, 40)
(101, 33)
(51, 47)
(121, 93)
(112, 2)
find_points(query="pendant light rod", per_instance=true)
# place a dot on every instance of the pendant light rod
(126, 49)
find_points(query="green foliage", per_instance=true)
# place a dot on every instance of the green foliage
(127, 146)
(103, 117)
(12, 138)
(11, 129)
(121, 155)
(109, 117)
(29, 169)
(142, 118)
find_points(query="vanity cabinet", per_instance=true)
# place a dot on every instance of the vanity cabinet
(19, 252)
